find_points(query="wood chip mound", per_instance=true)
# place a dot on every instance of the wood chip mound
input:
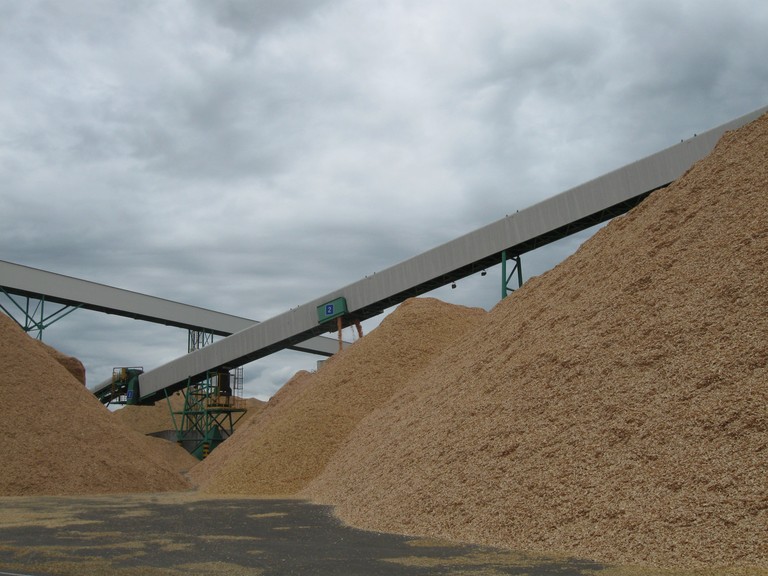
(150, 419)
(158, 418)
(72, 364)
(58, 438)
(289, 443)
(614, 408)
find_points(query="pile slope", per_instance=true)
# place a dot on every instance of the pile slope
(58, 438)
(290, 442)
(613, 408)
(72, 364)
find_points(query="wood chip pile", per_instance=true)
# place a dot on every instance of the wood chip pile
(72, 364)
(58, 438)
(290, 442)
(614, 408)
(158, 418)
(149, 419)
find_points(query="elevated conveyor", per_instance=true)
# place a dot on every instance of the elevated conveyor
(569, 212)
(29, 282)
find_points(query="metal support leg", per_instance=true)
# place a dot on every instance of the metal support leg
(505, 279)
(34, 316)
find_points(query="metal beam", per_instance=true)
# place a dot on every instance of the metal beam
(68, 291)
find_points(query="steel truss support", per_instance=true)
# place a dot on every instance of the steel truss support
(197, 339)
(34, 316)
(211, 410)
(505, 279)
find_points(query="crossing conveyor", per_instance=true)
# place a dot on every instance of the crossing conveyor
(557, 217)
(60, 289)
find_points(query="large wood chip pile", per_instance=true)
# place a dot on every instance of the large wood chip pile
(614, 408)
(289, 443)
(58, 438)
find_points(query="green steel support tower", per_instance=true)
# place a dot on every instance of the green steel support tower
(211, 410)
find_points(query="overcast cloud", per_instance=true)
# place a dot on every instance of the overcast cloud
(249, 156)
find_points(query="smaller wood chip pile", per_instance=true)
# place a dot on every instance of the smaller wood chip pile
(149, 419)
(290, 442)
(615, 408)
(158, 418)
(58, 438)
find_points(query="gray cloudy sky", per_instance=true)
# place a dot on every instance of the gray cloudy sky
(249, 156)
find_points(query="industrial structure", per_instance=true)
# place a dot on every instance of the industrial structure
(211, 407)
(507, 239)
(207, 372)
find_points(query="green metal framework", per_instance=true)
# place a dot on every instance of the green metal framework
(505, 279)
(211, 410)
(35, 318)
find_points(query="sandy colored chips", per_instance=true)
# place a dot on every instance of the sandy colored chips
(58, 438)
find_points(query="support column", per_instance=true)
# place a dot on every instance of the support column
(207, 419)
(505, 279)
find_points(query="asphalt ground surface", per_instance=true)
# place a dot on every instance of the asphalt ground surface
(175, 534)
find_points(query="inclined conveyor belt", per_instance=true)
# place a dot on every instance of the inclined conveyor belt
(576, 209)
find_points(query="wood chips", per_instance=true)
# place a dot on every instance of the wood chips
(614, 408)
(289, 443)
(58, 438)
(158, 418)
